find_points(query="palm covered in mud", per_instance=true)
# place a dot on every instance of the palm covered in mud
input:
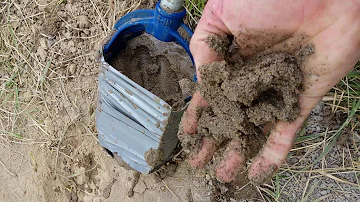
(260, 28)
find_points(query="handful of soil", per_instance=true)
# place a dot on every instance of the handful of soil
(243, 96)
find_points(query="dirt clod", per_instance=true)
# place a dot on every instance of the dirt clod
(219, 44)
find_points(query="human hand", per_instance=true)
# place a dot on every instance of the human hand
(332, 26)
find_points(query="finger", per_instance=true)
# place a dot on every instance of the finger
(204, 155)
(191, 116)
(278, 145)
(232, 163)
(210, 24)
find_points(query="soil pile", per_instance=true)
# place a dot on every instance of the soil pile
(155, 65)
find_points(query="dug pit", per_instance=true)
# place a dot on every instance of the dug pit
(243, 95)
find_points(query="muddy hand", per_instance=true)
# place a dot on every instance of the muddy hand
(269, 26)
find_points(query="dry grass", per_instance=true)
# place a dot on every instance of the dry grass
(26, 81)
(14, 61)
(33, 86)
(194, 10)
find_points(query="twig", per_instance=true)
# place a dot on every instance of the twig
(244, 186)
(307, 184)
(90, 132)
(7, 170)
(170, 191)
(338, 179)
(258, 189)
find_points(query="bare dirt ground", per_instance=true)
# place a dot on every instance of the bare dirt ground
(48, 145)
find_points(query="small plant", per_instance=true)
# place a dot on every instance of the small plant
(194, 10)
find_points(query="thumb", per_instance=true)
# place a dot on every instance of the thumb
(210, 27)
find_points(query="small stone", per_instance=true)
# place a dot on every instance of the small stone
(162, 188)
(86, 32)
(208, 177)
(49, 126)
(67, 34)
(356, 138)
(83, 21)
(43, 43)
(27, 96)
(223, 189)
(323, 192)
(210, 183)
(71, 44)
(41, 53)
(72, 69)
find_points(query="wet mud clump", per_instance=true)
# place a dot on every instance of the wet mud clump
(243, 95)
